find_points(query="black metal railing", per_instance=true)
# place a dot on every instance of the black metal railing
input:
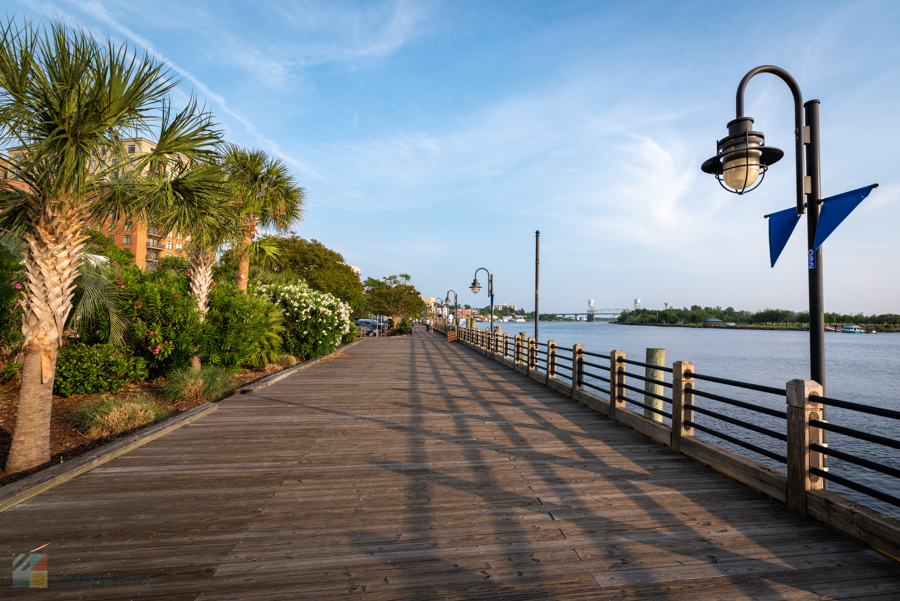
(742, 415)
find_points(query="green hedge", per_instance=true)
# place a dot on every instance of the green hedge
(84, 369)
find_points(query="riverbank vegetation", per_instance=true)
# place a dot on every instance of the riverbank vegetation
(769, 317)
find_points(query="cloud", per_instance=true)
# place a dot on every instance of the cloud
(98, 11)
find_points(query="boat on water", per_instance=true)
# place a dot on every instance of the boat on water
(520, 320)
(853, 330)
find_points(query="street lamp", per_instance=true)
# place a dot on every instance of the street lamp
(740, 164)
(456, 309)
(476, 287)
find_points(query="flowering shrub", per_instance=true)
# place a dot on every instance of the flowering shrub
(236, 326)
(314, 321)
(165, 324)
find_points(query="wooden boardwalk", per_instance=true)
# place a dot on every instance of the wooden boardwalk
(415, 468)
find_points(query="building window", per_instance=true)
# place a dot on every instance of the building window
(127, 239)
(178, 246)
(128, 226)
(112, 238)
(112, 227)
(131, 149)
(169, 245)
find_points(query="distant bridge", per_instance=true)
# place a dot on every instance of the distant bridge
(596, 313)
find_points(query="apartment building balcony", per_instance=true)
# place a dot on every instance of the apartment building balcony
(151, 243)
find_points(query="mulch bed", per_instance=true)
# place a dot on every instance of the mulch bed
(65, 442)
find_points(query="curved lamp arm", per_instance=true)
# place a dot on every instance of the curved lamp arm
(798, 120)
(490, 279)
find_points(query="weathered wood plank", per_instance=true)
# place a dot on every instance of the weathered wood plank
(412, 468)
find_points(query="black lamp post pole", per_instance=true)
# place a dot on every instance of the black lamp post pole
(475, 288)
(808, 190)
(537, 283)
(456, 309)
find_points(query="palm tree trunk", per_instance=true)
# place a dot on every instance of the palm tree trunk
(51, 266)
(202, 261)
(251, 220)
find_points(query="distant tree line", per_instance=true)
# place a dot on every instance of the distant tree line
(698, 315)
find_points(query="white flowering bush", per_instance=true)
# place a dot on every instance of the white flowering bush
(314, 321)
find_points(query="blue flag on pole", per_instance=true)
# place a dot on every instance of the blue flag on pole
(781, 226)
(835, 209)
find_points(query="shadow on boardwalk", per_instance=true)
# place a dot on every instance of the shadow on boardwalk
(417, 469)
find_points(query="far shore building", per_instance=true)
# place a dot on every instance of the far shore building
(148, 243)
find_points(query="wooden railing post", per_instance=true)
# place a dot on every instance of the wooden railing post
(517, 349)
(801, 408)
(551, 358)
(532, 355)
(655, 356)
(577, 367)
(682, 381)
(616, 380)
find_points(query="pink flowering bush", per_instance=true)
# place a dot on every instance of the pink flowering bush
(165, 324)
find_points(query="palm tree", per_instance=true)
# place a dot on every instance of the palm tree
(69, 101)
(264, 194)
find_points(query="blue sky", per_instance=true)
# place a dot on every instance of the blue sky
(433, 138)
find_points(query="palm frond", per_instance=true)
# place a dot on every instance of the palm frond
(99, 295)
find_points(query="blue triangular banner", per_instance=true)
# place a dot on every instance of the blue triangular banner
(781, 226)
(835, 209)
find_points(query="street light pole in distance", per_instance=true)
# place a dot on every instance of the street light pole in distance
(476, 287)
(537, 283)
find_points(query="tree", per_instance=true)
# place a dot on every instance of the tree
(264, 194)
(320, 267)
(68, 100)
(210, 222)
(393, 296)
(323, 269)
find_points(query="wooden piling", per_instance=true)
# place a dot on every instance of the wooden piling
(682, 382)
(655, 356)
(801, 408)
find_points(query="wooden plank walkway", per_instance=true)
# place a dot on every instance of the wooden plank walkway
(414, 468)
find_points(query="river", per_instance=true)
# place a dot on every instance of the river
(859, 368)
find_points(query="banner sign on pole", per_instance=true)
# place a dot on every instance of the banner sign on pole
(781, 226)
(835, 209)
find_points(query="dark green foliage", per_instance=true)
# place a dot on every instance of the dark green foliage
(174, 263)
(240, 328)
(84, 369)
(393, 296)
(11, 290)
(165, 323)
(350, 336)
(100, 244)
(12, 369)
(208, 384)
(309, 260)
(404, 327)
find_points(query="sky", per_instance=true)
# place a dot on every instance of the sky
(433, 138)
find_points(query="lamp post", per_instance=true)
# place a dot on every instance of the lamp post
(537, 283)
(455, 305)
(740, 164)
(476, 287)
